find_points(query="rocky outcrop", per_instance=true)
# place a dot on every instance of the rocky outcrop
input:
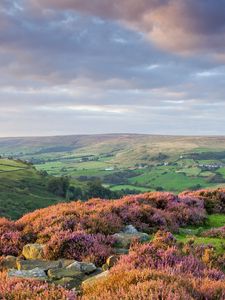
(95, 279)
(128, 235)
(36, 273)
(65, 272)
(35, 263)
(86, 268)
(33, 251)
(9, 262)
(61, 273)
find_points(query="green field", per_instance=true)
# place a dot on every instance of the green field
(170, 163)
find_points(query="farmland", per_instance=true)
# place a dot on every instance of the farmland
(129, 162)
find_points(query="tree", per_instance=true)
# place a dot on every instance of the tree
(59, 186)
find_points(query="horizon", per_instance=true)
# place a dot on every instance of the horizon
(112, 133)
(78, 67)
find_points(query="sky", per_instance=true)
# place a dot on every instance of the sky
(103, 66)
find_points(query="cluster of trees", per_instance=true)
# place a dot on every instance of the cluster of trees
(62, 187)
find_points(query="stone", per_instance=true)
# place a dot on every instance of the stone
(66, 262)
(35, 263)
(36, 273)
(120, 251)
(33, 251)
(62, 272)
(86, 268)
(123, 240)
(95, 279)
(130, 229)
(69, 282)
(8, 262)
(105, 267)
(112, 260)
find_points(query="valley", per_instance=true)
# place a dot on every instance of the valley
(127, 162)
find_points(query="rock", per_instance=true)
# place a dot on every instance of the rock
(28, 274)
(130, 229)
(69, 282)
(120, 251)
(95, 279)
(33, 251)
(86, 268)
(112, 260)
(42, 264)
(123, 240)
(105, 267)
(66, 262)
(62, 272)
(8, 262)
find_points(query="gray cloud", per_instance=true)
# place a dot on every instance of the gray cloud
(177, 25)
(81, 66)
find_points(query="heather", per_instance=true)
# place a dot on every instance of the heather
(216, 232)
(79, 246)
(214, 200)
(19, 289)
(94, 221)
(148, 212)
(161, 269)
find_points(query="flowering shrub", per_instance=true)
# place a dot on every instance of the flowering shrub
(159, 270)
(214, 200)
(216, 232)
(19, 289)
(79, 246)
(147, 212)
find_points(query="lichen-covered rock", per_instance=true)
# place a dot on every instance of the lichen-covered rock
(120, 251)
(130, 229)
(33, 251)
(8, 262)
(66, 262)
(112, 260)
(105, 267)
(86, 268)
(36, 273)
(63, 272)
(69, 282)
(36, 263)
(123, 240)
(95, 279)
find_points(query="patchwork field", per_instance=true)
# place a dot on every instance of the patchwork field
(127, 161)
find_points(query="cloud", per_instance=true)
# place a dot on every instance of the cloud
(108, 66)
(176, 25)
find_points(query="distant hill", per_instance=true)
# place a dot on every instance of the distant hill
(130, 162)
(22, 189)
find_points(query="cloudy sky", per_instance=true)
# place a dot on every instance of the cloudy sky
(97, 66)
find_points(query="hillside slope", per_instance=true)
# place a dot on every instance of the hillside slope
(22, 189)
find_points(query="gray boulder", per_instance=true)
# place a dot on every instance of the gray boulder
(86, 268)
(36, 263)
(36, 273)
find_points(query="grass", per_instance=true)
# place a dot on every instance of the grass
(168, 178)
(217, 243)
(23, 190)
(213, 221)
(130, 187)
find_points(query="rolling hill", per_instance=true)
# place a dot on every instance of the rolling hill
(132, 162)
(22, 189)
